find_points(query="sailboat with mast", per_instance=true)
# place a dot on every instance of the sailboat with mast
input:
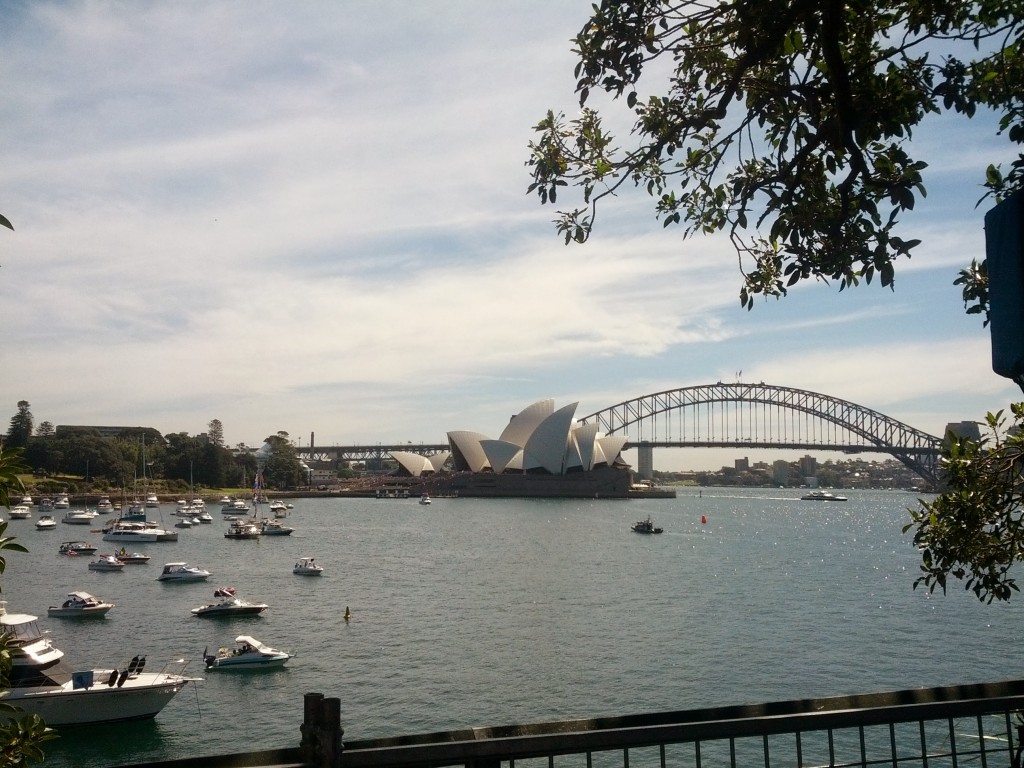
(133, 526)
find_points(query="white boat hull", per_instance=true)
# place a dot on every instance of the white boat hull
(140, 698)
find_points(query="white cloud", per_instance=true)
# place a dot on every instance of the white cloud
(316, 220)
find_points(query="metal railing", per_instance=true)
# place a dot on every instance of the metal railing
(949, 727)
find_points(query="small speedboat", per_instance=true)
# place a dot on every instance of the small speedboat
(645, 526)
(21, 512)
(106, 563)
(131, 558)
(182, 572)
(80, 604)
(76, 548)
(425, 498)
(230, 605)
(46, 523)
(248, 653)
(307, 566)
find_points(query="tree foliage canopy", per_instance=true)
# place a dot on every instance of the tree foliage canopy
(974, 530)
(784, 123)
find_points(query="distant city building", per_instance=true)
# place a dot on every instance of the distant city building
(808, 466)
(780, 472)
(743, 465)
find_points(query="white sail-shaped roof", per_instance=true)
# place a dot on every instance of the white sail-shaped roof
(547, 444)
(584, 436)
(468, 453)
(612, 446)
(413, 463)
(499, 453)
(523, 424)
(538, 437)
(437, 460)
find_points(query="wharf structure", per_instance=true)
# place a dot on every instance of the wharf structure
(542, 452)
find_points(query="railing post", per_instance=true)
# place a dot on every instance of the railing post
(321, 730)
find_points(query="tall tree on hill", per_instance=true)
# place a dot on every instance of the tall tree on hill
(20, 429)
(215, 431)
(786, 124)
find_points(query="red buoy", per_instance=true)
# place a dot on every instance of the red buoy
(704, 518)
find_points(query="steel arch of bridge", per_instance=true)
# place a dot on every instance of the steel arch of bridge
(765, 416)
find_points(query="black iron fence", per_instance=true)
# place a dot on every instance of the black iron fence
(949, 727)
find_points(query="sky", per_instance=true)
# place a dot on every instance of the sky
(312, 218)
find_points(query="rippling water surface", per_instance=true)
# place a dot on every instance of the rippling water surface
(487, 612)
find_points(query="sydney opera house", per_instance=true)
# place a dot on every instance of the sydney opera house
(541, 452)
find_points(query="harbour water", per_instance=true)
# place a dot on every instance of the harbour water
(488, 612)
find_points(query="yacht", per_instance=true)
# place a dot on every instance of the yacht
(229, 605)
(106, 563)
(44, 684)
(307, 566)
(45, 523)
(20, 512)
(79, 517)
(79, 605)
(182, 572)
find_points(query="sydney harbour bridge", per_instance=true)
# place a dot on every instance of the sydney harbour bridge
(724, 415)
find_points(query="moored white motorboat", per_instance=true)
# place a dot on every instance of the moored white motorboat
(103, 506)
(79, 517)
(20, 512)
(152, 502)
(307, 566)
(242, 529)
(248, 653)
(182, 572)
(106, 563)
(277, 506)
(80, 604)
(270, 527)
(62, 502)
(425, 498)
(229, 605)
(45, 523)
(42, 683)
